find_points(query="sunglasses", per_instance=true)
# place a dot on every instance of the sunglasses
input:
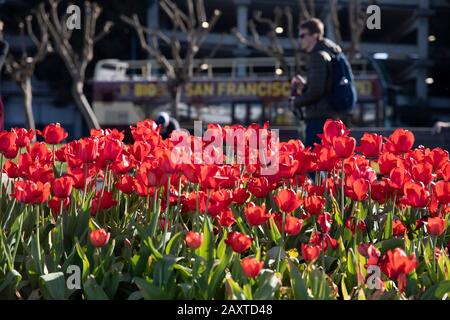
(302, 35)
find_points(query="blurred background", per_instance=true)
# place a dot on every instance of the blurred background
(225, 62)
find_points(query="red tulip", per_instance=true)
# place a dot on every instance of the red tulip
(358, 190)
(99, 238)
(370, 252)
(8, 143)
(435, 226)
(370, 145)
(396, 265)
(442, 191)
(326, 157)
(417, 195)
(422, 172)
(53, 133)
(259, 187)
(398, 228)
(24, 137)
(400, 141)
(55, 205)
(209, 177)
(293, 225)
(437, 158)
(324, 240)
(112, 149)
(11, 169)
(310, 253)
(256, 215)
(314, 204)
(378, 191)
(239, 242)
(30, 192)
(79, 177)
(125, 184)
(106, 201)
(168, 161)
(351, 225)
(344, 147)
(240, 195)
(62, 187)
(227, 218)
(86, 149)
(306, 162)
(389, 161)
(194, 239)
(287, 166)
(325, 222)
(287, 200)
(251, 267)
(333, 129)
(398, 177)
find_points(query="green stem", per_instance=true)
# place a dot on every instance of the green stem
(281, 244)
(166, 214)
(85, 182)
(38, 242)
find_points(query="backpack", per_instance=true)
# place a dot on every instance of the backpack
(342, 95)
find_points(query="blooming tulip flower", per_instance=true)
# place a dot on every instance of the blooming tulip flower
(251, 267)
(99, 238)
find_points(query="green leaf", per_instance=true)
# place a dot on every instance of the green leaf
(437, 291)
(268, 284)
(388, 226)
(163, 270)
(149, 244)
(218, 273)
(85, 261)
(297, 282)
(173, 242)
(206, 250)
(320, 288)
(233, 290)
(9, 284)
(93, 291)
(274, 232)
(53, 286)
(148, 290)
(385, 245)
(345, 294)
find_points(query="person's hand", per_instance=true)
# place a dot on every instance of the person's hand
(297, 84)
(438, 126)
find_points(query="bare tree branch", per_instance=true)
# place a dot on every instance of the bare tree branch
(193, 25)
(335, 21)
(75, 61)
(21, 69)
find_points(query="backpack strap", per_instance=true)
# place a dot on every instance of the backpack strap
(328, 56)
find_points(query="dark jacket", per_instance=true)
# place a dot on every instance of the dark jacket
(318, 81)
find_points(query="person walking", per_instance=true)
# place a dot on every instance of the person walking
(3, 52)
(167, 123)
(328, 90)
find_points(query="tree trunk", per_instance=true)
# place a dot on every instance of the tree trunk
(175, 95)
(83, 105)
(27, 102)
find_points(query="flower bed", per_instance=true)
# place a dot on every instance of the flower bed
(98, 219)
